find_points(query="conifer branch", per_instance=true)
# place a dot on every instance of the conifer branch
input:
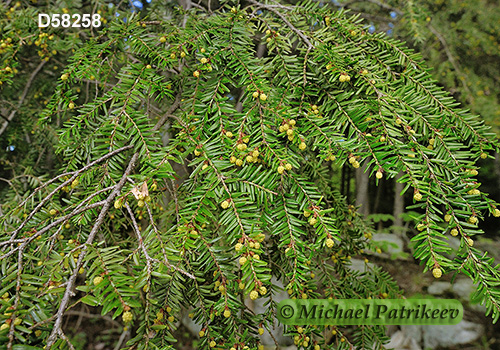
(95, 228)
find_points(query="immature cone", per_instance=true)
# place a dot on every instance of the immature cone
(254, 295)
(473, 220)
(329, 242)
(436, 272)
(127, 316)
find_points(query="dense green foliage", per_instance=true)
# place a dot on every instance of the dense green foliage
(191, 167)
(459, 39)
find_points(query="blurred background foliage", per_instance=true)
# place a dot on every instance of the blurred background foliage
(460, 40)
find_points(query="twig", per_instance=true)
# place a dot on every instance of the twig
(163, 249)
(124, 334)
(378, 3)
(290, 25)
(69, 288)
(75, 174)
(140, 240)
(64, 337)
(167, 115)
(450, 56)
(46, 228)
(75, 212)
(89, 315)
(22, 98)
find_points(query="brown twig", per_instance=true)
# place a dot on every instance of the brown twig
(376, 2)
(23, 97)
(74, 173)
(168, 114)
(450, 57)
(290, 25)
(45, 229)
(163, 249)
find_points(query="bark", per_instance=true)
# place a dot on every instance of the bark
(496, 165)
(399, 205)
(362, 195)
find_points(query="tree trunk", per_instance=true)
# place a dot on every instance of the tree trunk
(399, 205)
(362, 197)
(496, 164)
